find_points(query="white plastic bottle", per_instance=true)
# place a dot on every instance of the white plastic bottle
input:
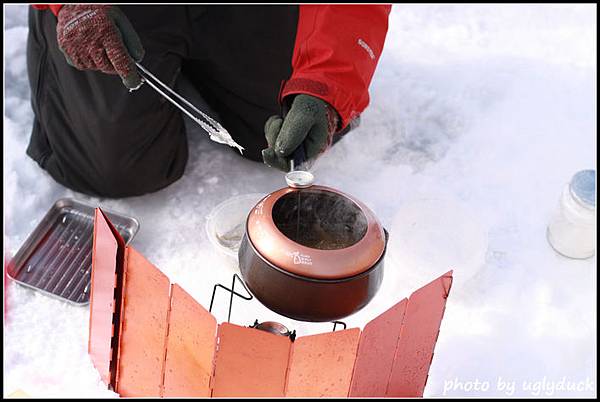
(572, 230)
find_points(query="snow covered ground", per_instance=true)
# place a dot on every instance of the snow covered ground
(479, 115)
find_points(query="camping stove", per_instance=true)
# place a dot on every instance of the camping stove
(268, 326)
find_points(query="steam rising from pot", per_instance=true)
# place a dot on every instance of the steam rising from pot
(319, 219)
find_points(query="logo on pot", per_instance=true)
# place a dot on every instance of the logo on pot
(300, 258)
(259, 208)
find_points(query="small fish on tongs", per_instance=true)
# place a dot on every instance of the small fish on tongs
(215, 130)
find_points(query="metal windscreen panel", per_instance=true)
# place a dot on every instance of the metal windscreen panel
(250, 362)
(102, 296)
(418, 336)
(143, 327)
(376, 353)
(321, 365)
(190, 347)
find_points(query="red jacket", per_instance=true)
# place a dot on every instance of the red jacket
(336, 51)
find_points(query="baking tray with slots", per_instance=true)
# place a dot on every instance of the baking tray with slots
(56, 258)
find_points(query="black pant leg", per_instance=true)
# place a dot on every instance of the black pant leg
(90, 133)
(240, 57)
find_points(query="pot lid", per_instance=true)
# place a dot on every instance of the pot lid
(316, 232)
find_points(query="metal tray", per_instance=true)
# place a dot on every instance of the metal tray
(56, 258)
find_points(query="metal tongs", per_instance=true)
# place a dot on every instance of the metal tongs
(217, 132)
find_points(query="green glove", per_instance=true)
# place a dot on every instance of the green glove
(310, 122)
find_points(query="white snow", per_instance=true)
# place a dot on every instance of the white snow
(483, 110)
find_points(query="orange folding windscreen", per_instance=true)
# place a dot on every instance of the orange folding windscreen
(106, 244)
(190, 347)
(376, 353)
(321, 365)
(149, 337)
(418, 336)
(143, 335)
(250, 362)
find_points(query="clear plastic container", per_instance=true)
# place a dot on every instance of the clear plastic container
(226, 223)
(572, 229)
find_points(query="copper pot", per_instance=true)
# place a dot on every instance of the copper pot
(312, 254)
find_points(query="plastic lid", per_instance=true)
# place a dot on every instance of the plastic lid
(583, 187)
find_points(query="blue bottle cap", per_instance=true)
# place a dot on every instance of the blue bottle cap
(583, 187)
